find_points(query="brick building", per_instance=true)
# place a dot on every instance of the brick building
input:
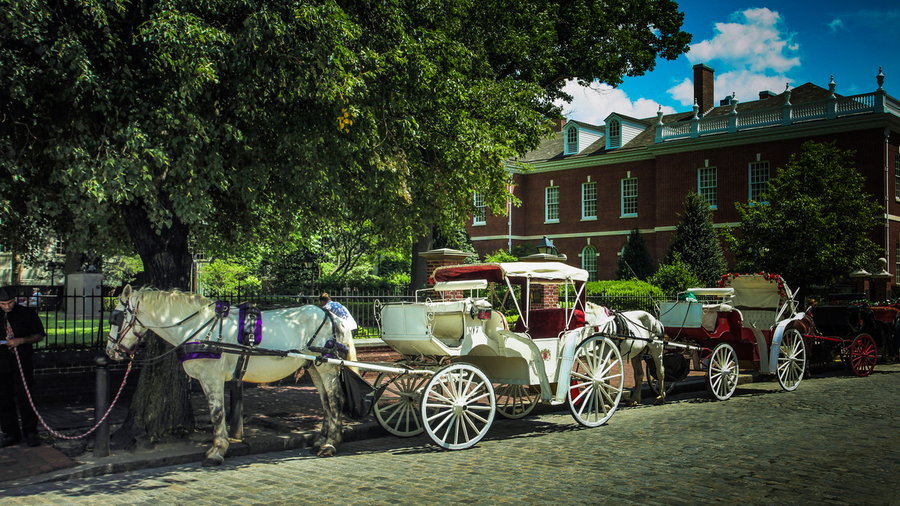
(591, 185)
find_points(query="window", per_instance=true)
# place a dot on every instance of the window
(480, 216)
(589, 262)
(707, 186)
(571, 141)
(759, 180)
(615, 133)
(629, 197)
(589, 201)
(897, 178)
(551, 204)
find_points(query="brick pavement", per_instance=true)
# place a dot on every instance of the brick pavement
(276, 417)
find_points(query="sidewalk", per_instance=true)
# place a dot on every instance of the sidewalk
(276, 418)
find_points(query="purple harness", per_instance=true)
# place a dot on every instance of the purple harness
(249, 324)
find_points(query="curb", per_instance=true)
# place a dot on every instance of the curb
(173, 454)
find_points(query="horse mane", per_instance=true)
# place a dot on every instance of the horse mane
(171, 299)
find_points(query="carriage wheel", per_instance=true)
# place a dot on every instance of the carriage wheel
(515, 401)
(397, 407)
(458, 406)
(722, 377)
(861, 355)
(791, 360)
(597, 380)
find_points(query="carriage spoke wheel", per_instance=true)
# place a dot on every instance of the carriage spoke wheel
(458, 406)
(722, 377)
(862, 355)
(397, 409)
(596, 381)
(515, 401)
(791, 360)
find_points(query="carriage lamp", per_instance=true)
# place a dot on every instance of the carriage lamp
(546, 247)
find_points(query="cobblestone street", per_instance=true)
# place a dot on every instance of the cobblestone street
(834, 440)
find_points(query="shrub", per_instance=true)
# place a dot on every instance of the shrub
(675, 277)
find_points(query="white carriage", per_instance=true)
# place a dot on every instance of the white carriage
(464, 363)
(749, 322)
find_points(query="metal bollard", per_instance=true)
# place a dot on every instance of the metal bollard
(236, 409)
(101, 403)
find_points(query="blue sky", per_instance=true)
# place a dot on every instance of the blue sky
(760, 46)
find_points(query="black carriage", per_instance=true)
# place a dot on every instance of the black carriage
(853, 333)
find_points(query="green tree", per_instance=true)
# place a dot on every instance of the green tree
(239, 125)
(675, 276)
(816, 222)
(635, 260)
(696, 241)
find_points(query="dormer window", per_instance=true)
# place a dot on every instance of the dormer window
(614, 130)
(571, 141)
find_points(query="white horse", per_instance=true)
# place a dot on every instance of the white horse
(179, 317)
(648, 333)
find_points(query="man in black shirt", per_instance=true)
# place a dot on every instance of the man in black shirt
(20, 328)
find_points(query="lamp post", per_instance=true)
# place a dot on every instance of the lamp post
(546, 252)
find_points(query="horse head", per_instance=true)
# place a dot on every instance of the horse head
(125, 329)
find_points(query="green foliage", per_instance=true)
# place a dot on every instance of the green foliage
(817, 224)
(635, 260)
(221, 277)
(501, 255)
(246, 124)
(121, 270)
(624, 295)
(620, 288)
(696, 241)
(675, 276)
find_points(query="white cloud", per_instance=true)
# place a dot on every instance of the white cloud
(756, 41)
(744, 84)
(593, 104)
(835, 25)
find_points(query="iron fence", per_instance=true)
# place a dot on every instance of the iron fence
(80, 321)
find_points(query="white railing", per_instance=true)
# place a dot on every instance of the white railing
(785, 115)
(756, 119)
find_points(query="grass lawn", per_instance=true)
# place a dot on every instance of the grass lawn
(72, 332)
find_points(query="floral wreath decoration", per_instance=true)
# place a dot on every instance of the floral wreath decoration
(725, 280)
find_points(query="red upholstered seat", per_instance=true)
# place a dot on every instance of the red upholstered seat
(549, 322)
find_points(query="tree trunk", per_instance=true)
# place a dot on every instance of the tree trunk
(419, 275)
(161, 406)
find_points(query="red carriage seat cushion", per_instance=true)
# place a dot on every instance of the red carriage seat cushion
(549, 322)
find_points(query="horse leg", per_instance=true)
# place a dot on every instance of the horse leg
(638, 367)
(325, 378)
(215, 396)
(656, 350)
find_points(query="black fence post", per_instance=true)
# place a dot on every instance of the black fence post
(101, 404)
(236, 409)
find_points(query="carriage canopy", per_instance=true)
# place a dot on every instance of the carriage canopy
(555, 273)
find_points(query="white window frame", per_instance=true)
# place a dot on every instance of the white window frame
(479, 218)
(628, 190)
(571, 141)
(589, 261)
(897, 179)
(760, 185)
(551, 204)
(708, 185)
(614, 130)
(589, 201)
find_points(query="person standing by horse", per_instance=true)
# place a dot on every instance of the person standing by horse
(338, 310)
(22, 328)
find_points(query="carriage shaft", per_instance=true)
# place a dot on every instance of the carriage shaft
(362, 365)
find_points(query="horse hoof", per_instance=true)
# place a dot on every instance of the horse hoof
(210, 461)
(634, 403)
(326, 451)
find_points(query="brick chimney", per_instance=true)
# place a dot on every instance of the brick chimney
(763, 95)
(703, 87)
(558, 124)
